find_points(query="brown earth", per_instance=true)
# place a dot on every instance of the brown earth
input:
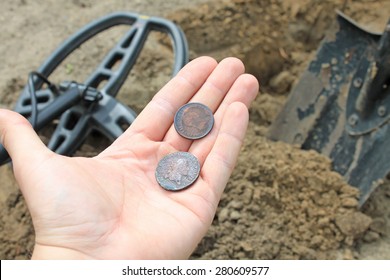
(281, 202)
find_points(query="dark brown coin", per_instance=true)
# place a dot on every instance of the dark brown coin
(177, 171)
(194, 121)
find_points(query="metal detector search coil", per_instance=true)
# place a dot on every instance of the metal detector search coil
(78, 118)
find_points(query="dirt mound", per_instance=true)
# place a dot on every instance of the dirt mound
(284, 203)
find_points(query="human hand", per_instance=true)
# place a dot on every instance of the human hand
(110, 206)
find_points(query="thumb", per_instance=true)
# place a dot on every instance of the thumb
(20, 140)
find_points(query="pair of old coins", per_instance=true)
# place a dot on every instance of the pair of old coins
(179, 170)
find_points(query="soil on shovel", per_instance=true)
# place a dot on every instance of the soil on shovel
(281, 202)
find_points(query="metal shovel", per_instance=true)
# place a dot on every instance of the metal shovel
(341, 105)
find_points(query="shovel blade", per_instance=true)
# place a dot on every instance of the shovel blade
(324, 110)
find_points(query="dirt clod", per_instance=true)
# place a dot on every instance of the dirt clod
(353, 224)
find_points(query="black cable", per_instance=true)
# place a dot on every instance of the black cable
(33, 94)
(4, 157)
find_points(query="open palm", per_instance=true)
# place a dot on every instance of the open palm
(110, 206)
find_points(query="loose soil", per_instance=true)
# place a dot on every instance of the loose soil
(281, 202)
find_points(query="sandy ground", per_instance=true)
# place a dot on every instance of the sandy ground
(281, 202)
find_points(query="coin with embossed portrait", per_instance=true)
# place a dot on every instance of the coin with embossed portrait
(177, 171)
(194, 121)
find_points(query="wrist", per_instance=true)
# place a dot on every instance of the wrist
(44, 252)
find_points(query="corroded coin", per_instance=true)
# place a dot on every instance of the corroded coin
(177, 171)
(194, 121)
